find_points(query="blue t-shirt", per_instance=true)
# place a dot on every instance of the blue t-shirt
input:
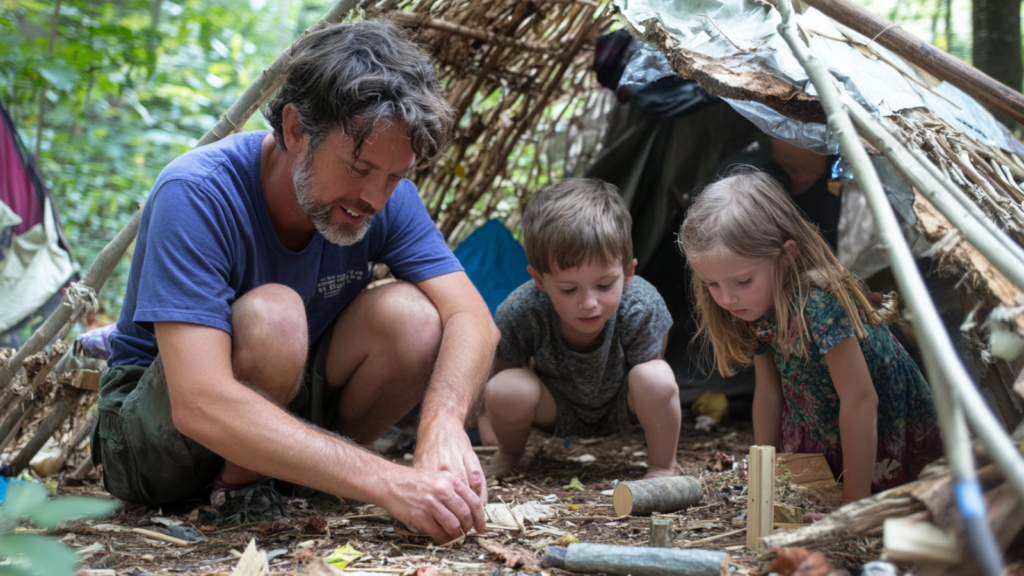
(205, 239)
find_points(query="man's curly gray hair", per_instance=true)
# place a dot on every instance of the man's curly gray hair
(352, 76)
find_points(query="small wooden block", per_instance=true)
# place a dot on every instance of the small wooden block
(88, 380)
(760, 495)
(661, 533)
(804, 469)
(909, 541)
(788, 514)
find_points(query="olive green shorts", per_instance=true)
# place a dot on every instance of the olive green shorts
(146, 460)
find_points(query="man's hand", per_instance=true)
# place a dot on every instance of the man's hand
(447, 449)
(440, 504)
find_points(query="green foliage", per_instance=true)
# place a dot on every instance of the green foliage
(574, 484)
(125, 91)
(35, 554)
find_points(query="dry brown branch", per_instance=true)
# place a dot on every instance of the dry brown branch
(410, 19)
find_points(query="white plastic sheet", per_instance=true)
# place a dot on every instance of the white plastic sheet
(741, 35)
(34, 269)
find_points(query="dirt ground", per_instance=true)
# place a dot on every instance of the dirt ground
(295, 545)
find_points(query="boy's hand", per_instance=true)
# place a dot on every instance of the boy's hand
(447, 449)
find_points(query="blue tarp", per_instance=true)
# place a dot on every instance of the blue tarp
(495, 262)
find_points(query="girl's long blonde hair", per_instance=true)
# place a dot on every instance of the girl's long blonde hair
(750, 215)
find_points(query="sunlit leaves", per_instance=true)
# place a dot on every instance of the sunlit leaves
(121, 85)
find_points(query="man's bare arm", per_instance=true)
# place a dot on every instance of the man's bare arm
(463, 364)
(212, 407)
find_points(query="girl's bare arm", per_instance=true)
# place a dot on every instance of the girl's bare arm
(767, 401)
(858, 417)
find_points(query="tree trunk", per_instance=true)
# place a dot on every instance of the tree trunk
(996, 50)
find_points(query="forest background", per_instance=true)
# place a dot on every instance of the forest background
(106, 93)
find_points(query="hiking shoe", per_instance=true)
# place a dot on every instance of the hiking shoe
(256, 502)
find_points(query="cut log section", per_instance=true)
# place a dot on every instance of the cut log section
(637, 561)
(641, 497)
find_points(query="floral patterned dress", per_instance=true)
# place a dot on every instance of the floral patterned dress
(908, 431)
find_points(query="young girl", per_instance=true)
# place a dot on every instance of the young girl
(829, 376)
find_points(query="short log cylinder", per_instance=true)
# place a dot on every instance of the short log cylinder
(641, 497)
(637, 561)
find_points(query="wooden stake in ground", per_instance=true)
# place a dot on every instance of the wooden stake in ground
(636, 560)
(641, 497)
(760, 495)
(661, 533)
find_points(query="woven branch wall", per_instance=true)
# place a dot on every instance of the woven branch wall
(515, 72)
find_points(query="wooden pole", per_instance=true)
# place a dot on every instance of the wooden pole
(11, 423)
(760, 495)
(641, 497)
(974, 82)
(637, 561)
(954, 393)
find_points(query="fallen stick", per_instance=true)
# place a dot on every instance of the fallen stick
(637, 561)
(158, 536)
(641, 497)
(715, 538)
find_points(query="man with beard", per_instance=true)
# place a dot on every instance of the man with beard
(247, 348)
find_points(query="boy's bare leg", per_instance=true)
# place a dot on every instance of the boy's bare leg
(654, 398)
(515, 400)
(483, 426)
(268, 351)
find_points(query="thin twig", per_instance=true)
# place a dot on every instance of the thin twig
(722, 536)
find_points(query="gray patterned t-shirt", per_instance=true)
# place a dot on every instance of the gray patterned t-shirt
(589, 387)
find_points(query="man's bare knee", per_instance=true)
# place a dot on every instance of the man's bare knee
(269, 339)
(411, 322)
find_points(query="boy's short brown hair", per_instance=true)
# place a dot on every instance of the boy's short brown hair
(568, 224)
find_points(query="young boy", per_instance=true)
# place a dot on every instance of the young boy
(595, 334)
